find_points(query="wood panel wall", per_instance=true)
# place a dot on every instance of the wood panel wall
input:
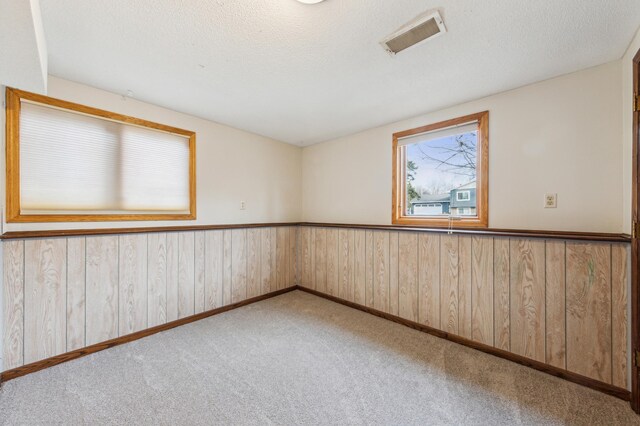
(62, 294)
(563, 303)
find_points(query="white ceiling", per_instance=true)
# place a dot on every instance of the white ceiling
(22, 46)
(308, 73)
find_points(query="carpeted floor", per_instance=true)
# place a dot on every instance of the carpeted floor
(299, 359)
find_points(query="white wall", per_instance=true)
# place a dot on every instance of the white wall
(562, 135)
(627, 128)
(232, 166)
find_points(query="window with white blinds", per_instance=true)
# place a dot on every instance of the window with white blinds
(80, 165)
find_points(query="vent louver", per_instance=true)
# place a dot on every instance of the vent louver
(423, 28)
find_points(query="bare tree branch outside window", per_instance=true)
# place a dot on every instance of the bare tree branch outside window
(459, 160)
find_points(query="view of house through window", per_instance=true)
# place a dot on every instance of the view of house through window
(441, 173)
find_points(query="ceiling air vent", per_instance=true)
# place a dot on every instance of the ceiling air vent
(424, 27)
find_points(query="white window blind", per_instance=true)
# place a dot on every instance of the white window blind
(439, 134)
(71, 163)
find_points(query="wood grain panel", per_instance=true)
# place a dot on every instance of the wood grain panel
(555, 304)
(186, 274)
(157, 279)
(321, 259)
(464, 287)
(482, 290)
(360, 267)
(312, 258)
(76, 271)
(393, 273)
(449, 283)
(368, 262)
(226, 267)
(282, 257)
(501, 294)
(172, 276)
(429, 280)
(13, 304)
(346, 247)
(381, 271)
(254, 287)
(132, 278)
(239, 265)
(619, 321)
(266, 255)
(408, 280)
(198, 273)
(45, 311)
(293, 256)
(589, 310)
(333, 273)
(274, 259)
(288, 266)
(305, 256)
(213, 270)
(528, 298)
(102, 289)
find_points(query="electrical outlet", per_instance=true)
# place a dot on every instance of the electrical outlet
(550, 201)
(243, 205)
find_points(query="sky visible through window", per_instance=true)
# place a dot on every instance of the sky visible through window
(438, 166)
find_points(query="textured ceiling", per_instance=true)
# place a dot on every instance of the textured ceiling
(22, 46)
(308, 73)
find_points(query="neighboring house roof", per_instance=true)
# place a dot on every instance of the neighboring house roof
(450, 197)
(470, 185)
(433, 198)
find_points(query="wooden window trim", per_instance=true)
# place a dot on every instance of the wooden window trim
(13, 210)
(398, 217)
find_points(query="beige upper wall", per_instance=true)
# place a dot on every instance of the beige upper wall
(627, 128)
(561, 135)
(547, 137)
(232, 166)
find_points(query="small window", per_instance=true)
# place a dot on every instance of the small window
(463, 195)
(68, 162)
(444, 163)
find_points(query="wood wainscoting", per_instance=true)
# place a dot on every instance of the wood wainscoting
(557, 305)
(65, 294)
(560, 303)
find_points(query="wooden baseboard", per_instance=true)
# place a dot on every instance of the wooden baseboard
(68, 356)
(545, 368)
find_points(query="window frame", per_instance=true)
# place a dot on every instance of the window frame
(399, 177)
(14, 98)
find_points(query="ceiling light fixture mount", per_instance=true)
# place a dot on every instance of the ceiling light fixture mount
(310, 1)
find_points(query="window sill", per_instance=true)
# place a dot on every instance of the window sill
(474, 223)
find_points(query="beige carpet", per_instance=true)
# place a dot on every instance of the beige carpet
(299, 359)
